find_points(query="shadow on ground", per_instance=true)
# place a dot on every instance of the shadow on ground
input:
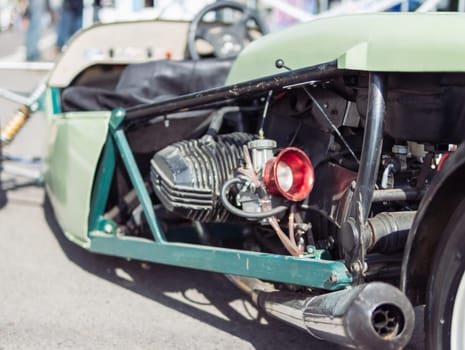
(156, 282)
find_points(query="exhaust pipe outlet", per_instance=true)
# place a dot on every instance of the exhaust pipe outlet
(370, 316)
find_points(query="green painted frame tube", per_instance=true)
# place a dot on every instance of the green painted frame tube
(139, 185)
(102, 184)
(324, 274)
(55, 97)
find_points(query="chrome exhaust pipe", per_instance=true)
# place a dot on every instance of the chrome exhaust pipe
(370, 316)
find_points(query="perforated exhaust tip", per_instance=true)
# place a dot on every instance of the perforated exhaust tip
(388, 321)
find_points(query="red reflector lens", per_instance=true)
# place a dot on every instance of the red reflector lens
(290, 174)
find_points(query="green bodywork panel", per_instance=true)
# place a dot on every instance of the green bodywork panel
(75, 142)
(388, 42)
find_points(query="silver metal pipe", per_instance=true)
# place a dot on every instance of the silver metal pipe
(13, 96)
(387, 232)
(370, 316)
(27, 66)
(34, 174)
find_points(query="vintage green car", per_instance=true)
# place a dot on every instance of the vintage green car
(322, 169)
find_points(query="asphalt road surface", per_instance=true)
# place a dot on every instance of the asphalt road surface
(55, 295)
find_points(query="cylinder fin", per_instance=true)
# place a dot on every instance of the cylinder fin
(187, 176)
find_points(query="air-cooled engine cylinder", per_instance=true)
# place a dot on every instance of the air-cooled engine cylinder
(188, 176)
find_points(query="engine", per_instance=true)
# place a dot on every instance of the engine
(188, 176)
(212, 178)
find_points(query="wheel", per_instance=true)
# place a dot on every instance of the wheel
(227, 39)
(445, 309)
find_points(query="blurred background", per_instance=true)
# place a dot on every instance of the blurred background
(37, 30)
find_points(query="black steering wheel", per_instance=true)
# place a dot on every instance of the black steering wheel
(226, 39)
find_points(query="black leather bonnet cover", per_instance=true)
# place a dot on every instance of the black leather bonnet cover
(149, 82)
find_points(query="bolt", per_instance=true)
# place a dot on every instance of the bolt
(355, 267)
(108, 228)
(119, 113)
(34, 107)
(333, 277)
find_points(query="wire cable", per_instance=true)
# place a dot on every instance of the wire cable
(239, 212)
(331, 124)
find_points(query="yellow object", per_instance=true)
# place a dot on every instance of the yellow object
(14, 124)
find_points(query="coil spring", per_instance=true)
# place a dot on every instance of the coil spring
(15, 124)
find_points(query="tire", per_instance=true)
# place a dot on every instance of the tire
(445, 308)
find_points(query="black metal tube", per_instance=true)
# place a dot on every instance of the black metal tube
(371, 150)
(231, 92)
(397, 194)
